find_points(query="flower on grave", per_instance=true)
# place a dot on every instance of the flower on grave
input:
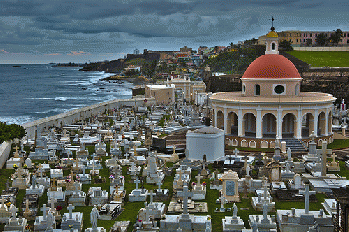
(70, 226)
(15, 166)
(193, 183)
(25, 166)
(111, 177)
(204, 183)
(67, 180)
(220, 179)
(27, 227)
(8, 204)
(59, 208)
(139, 220)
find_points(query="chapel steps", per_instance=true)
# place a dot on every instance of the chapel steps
(295, 144)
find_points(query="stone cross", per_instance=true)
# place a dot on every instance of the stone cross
(334, 158)
(236, 152)
(34, 181)
(265, 190)
(198, 177)
(185, 194)
(137, 181)
(44, 210)
(146, 212)
(70, 208)
(159, 185)
(83, 170)
(52, 201)
(40, 170)
(265, 213)
(126, 155)
(151, 196)
(222, 198)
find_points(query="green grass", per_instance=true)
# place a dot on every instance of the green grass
(339, 144)
(343, 172)
(323, 59)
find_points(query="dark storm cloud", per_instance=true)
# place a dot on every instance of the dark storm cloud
(114, 26)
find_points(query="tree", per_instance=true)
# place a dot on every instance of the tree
(286, 45)
(321, 39)
(148, 68)
(336, 36)
(10, 132)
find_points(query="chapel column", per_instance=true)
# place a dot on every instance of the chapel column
(240, 122)
(279, 124)
(316, 118)
(259, 124)
(225, 121)
(299, 124)
(215, 117)
(326, 123)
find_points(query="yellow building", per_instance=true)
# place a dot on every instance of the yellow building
(163, 94)
(185, 88)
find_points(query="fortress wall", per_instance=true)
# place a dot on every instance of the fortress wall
(76, 115)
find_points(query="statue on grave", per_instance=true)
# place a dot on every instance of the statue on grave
(94, 217)
(235, 211)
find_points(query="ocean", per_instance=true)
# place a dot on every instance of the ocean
(31, 92)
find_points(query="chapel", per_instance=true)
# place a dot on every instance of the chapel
(271, 105)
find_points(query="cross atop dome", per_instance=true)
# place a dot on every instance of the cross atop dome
(272, 40)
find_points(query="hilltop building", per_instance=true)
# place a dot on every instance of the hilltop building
(304, 38)
(271, 105)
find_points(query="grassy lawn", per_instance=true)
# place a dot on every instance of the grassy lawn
(323, 59)
(339, 144)
(343, 172)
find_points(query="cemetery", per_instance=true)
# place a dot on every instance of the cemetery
(105, 176)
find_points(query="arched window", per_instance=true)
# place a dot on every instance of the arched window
(273, 46)
(257, 90)
(243, 88)
(297, 90)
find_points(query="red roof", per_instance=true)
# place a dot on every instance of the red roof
(271, 66)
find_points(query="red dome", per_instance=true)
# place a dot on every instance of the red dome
(271, 66)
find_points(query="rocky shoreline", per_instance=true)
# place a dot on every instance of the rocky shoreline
(133, 80)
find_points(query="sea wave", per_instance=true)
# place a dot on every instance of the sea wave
(20, 120)
(61, 98)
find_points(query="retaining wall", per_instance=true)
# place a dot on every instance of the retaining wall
(5, 149)
(322, 49)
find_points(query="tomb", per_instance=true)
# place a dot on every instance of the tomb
(72, 220)
(97, 196)
(186, 222)
(138, 194)
(230, 186)
(234, 223)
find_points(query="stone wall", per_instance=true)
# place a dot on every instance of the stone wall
(5, 149)
(322, 49)
(74, 116)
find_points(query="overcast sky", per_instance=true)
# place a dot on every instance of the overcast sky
(42, 31)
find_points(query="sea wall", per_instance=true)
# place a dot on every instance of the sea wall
(5, 149)
(76, 115)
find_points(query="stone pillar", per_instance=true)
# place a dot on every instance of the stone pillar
(225, 121)
(240, 122)
(279, 124)
(326, 123)
(259, 124)
(215, 117)
(316, 118)
(299, 124)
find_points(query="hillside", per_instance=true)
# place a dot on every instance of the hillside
(323, 59)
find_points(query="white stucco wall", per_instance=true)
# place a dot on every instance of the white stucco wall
(5, 149)
(211, 145)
